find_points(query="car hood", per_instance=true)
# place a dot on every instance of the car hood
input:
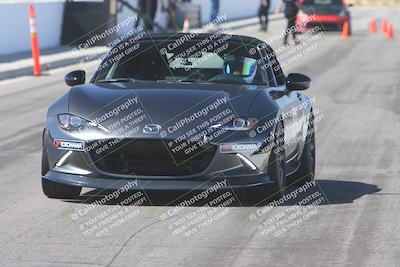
(163, 104)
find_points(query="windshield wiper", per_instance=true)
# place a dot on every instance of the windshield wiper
(191, 81)
(118, 80)
(182, 81)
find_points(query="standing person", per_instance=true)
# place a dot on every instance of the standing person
(263, 12)
(291, 10)
(169, 6)
(214, 9)
(148, 9)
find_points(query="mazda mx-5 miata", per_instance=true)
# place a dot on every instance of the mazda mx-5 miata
(327, 14)
(181, 112)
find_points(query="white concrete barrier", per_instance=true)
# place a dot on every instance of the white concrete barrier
(234, 9)
(14, 25)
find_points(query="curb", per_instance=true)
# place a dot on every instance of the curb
(26, 69)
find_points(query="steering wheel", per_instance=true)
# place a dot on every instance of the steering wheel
(223, 78)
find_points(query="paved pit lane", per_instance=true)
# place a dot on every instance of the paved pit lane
(349, 217)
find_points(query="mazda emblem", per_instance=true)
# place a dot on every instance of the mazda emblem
(151, 129)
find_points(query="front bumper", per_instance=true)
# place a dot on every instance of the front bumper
(157, 184)
(77, 168)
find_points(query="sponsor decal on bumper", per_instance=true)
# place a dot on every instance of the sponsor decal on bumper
(69, 145)
(238, 147)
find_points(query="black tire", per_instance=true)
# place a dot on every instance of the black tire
(45, 163)
(306, 171)
(56, 190)
(277, 163)
(276, 171)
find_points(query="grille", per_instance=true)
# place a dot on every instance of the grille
(150, 158)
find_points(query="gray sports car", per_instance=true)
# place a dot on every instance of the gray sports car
(181, 112)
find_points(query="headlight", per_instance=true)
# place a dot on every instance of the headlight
(240, 124)
(71, 122)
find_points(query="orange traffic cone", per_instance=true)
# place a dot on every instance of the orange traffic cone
(186, 25)
(372, 26)
(389, 32)
(34, 41)
(384, 26)
(346, 31)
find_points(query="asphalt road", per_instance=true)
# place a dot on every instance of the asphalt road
(356, 85)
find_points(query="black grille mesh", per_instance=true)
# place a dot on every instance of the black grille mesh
(150, 158)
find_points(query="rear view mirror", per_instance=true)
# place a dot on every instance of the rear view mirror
(297, 81)
(75, 77)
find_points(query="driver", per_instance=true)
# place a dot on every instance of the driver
(242, 67)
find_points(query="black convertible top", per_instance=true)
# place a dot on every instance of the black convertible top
(198, 36)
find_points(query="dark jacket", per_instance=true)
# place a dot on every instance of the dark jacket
(291, 8)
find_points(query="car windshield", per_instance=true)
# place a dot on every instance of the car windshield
(322, 2)
(328, 7)
(197, 61)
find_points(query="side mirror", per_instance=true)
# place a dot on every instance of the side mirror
(75, 77)
(297, 81)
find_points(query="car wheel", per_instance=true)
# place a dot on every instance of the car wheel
(306, 171)
(277, 162)
(276, 171)
(56, 190)
(45, 163)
